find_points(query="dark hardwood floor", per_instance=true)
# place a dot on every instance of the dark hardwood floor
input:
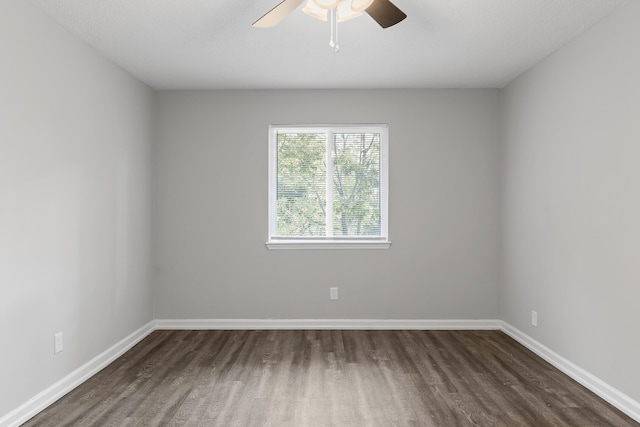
(330, 378)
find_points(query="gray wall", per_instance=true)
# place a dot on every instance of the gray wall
(75, 164)
(571, 211)
(211, 209)
(75, 137)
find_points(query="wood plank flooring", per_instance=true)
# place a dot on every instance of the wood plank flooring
(330, 378)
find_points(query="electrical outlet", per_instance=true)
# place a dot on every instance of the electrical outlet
(57, 343)
(333, 293)
(534, 318)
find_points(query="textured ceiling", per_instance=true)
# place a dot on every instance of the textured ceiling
(210, 44)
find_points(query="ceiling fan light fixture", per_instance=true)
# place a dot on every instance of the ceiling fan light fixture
(327, 4)
(383, 12)
(346, 11)
(314, 11)
(360, 5)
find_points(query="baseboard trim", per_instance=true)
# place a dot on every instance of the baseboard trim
(45, 398)
(48, 396)
(590, 381)
(337, 324)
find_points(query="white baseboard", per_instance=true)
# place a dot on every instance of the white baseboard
(48, 396)
(45, 398)
(370, 324)
(590, 381)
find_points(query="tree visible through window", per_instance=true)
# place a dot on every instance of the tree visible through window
(328, 183)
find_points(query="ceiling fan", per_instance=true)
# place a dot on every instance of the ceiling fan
(383, 12)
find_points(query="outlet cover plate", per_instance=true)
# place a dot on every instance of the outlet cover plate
(57, 343)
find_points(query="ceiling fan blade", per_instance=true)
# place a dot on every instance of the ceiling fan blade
(385, 13)
(277, 14)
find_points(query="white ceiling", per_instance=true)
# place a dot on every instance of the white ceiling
(210, 44)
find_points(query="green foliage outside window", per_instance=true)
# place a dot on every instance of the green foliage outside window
(356, 182)
(302, 184)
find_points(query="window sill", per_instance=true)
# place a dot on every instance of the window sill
(346, 244)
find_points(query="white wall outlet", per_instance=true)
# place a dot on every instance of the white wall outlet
(534, 318)
(57, 343)
(333, 293)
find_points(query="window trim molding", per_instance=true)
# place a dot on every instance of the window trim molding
(326, 244)
(381, 242)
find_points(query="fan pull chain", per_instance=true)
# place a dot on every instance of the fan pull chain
(334, 29)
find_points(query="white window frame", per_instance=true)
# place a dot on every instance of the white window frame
(329, 242)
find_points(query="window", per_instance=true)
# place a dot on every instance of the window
(328, 187)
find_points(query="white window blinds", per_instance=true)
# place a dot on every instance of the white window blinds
(328, 184)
